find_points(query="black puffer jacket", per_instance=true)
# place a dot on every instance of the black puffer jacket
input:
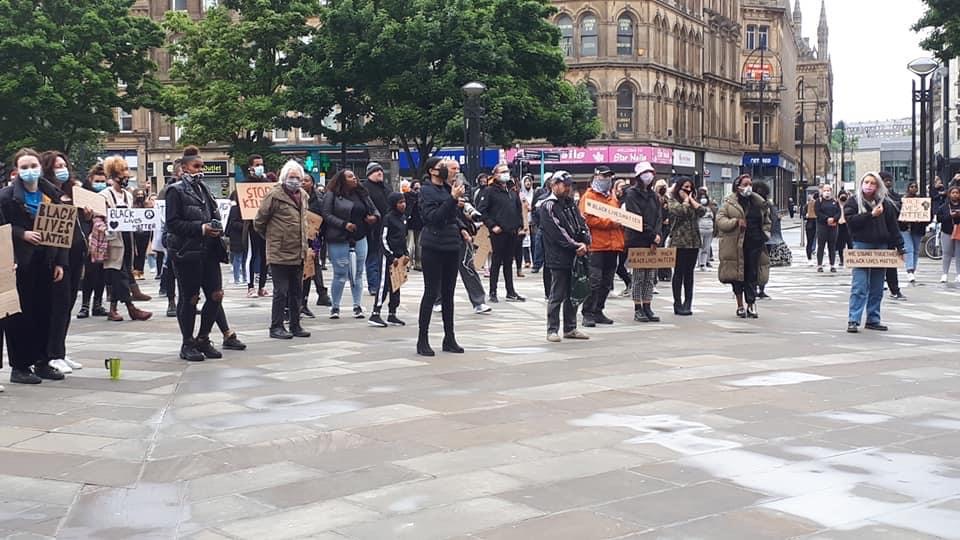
(13, 208)
(338, 211)
(826, 209)
(414, 223)
(189, 207)
(563, 228)
(864, 227)
(944, 215)
(438, 210)
(646, 204)
(501, 207)
(394, 240)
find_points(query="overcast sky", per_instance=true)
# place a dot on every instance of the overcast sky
(870, 45)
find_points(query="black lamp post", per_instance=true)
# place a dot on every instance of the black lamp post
(922, 67)
(843, 149)
(472, 117)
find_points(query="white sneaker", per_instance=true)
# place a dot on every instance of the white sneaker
(72, 363)
(958, 278)
(553, 338)
(482, 308)
(810, 263)
(911, 277)
(1, 388)
(61, 366)
(943, 278)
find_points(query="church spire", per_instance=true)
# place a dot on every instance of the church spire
(797, 16)
(822, 33)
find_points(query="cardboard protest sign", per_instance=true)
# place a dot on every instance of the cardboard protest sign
(872, 258)
(484, 247)
(88, 199)
(9, 298)
(313, 224)
(224, 206)
(916, 209)
(309, 265)
(647, 258)
(398, 275)
(55, 223)
(133, 219)
(249, 195)
(627, 219)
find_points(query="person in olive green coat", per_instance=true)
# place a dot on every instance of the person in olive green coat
(744, 226)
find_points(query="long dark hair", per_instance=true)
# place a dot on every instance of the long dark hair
(675, 194)
(48, 162)
(338, 184)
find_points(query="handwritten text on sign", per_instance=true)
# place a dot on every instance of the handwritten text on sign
(55, 224)
(398, 275)
(872, 258)
(249, 195)
(647, 258)
(627, 219)
(133, 219)
(915, 210)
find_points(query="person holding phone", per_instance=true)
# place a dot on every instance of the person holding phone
(949, 217)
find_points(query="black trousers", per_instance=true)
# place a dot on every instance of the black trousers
(168, 280)
(843, 240)
(258, 260)
(827, 237)
(440, 271)
(141, 241)
(317, 280)
(120, 280)
(386, 288)
(547, 282)
(603, 266)
(751, 273)
(622, 271)
(504, 252)
(893, 281)
(287, 293)
(28, 332)
(93, 282)
(811, 226)
(683, 275)
(560, 297)
(63, 297)
(192, 277)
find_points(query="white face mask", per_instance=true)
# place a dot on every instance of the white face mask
(827, 195)
(292, 184)
(647, 178)
(747, 191)
(704, 200)
(258, 170)
(504, 177)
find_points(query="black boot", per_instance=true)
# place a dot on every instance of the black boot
(450, 345)
(423, 345)
(84, 312)
(171, 308)
(323, 298)
(639, 315)
(648, 311)
(206, 348)
(98, 310)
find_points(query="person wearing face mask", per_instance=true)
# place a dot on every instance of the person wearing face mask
(503, 215)
(281, 220)
(843, 233)
(707, 224)
(256, 172)
(810, 225)
(913, 233)
(93, 271)
(643, 201)
(525, 253)
(948, 214)
(119, 261)
(685, 213)
(619, 190)
(38, 269)
(141, 239)
(892, 275)
(872, 219)
(828, 220)
(605, 248)
(57, 170)
(744, 226)
(776, 252)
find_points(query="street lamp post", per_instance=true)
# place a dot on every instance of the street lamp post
(922, 67)
(842, 126)
(472, 116)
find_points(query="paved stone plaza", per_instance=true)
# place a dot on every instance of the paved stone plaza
(701, 427)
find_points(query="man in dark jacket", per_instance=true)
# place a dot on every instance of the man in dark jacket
(414, 223)
(503, 216)
(378, 191)
(565, 236)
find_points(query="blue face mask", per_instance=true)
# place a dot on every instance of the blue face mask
(30, 176)
(258, 170)
(99, 186)
(62, 175)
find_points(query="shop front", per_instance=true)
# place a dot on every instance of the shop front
(216, 176)
(777, 170)
(719, 170)
(581, 161)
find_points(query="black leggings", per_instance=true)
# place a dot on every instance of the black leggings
(504, 252)
(29, 330)
(93, 283)
(522, 253)
(63, 297)
(843, 240)
(622, 271)
(440, 271)
(192, 277)
(751, 273)
(811, 226)
(258, 255)
(683, 275)
(142, 242)
(826, 236)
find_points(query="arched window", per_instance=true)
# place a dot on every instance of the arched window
(588, 36)
(625, 35)
(625, 108)
(565, 24)
(594, 97)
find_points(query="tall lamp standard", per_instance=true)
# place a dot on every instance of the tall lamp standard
(921, 67)
(842, 126)
(472, 117)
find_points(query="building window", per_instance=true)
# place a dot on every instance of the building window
(281, 135)
(178, 5)
(751, 37)
(625, 36)
(588, 36)
(565, 24)
(124, 121)
(592, 90)
(752, 133)
(210, 4)
(763, 36)
(625, 108)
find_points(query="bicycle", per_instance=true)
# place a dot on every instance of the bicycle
(931, 245)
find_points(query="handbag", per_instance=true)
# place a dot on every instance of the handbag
(956, 232)
(580, 281)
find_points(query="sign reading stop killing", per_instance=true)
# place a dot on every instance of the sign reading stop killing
(249, 195)
(55, 223)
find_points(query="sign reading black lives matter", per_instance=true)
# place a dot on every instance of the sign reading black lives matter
(133, 219)
(55, 223)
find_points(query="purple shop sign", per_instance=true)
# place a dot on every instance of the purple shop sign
(608, 155)
(568, 156)
(636, 154)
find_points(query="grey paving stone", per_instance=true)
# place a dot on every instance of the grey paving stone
(573, 525)
(335, 486)
(305, 521)
(586, 491)
(681, 504)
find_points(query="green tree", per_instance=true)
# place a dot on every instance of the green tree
(230, 69)
(62, 61)
(943, 20)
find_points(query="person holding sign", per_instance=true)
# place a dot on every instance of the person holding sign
(607, 236)
(643, 201)
(914, 231)
(872, 220)
(685, 213)
(39, 267)
(394, 244)
(744, 225)
(949, 216)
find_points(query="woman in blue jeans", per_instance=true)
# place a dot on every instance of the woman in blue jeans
(348, 213)
(912, 233)
(872, 221)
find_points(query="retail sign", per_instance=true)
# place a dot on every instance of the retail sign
(596, 155)
(753, 71)
(684, 158)
(635, 154)
(488, 158)
(766, 160)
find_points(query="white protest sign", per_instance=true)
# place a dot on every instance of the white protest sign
(133, 219)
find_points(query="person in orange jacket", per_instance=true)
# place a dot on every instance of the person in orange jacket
(606, 247)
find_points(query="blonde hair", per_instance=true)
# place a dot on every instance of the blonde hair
(879, 196)
(288, 167)
(113, 166)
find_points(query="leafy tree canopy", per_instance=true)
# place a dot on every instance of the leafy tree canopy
(943, 20)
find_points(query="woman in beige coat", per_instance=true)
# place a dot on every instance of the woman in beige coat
(743, 222)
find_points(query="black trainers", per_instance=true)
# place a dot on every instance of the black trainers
(589, 321)
(299, 332)
(651, 316)
(207, 349)
(742, 313)
(515, 298)
(752, 312)
(600, 318)
(335, 313)
(171, 309)
(358, 312)
(392, 319)
(280, 333)
(24, 376)
(853, 328)
(83, 313)
(375, 320)
(305, 311)
(640, 316)
(233, 343)
(189, 352)
(46, 371)
(876, 326)
(323, 299)
(493, 299)
(99, 311)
